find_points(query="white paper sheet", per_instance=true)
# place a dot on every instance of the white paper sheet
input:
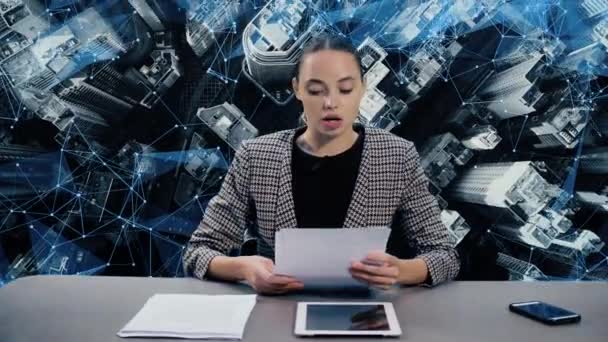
(191, 316)
(321, 257)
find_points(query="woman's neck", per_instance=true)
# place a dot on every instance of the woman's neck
(321, 146)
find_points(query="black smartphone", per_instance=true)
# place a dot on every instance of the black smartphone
(545, 313)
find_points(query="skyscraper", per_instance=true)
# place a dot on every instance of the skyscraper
(161, 75)
(376, 109)
(593, 200)
(207, 21)
(412, 20)
(54, 110)
(127, 87)
(574, 247)
(203, 162)
(516, 196)
(66, 51)
(473, 13)
(424, 66)
(440, 155)
(558, 127)
(505, 185)
(600, 32)
(229, 123)
(593, 8)
(456, 225)
(272, 43)
(146, 10)
(514, 92)
(76, 91)
(539, 230)
(481, 137)
(519, 269)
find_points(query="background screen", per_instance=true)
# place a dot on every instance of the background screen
(119, 120)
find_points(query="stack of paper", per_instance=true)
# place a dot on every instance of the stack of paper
(320, 258)
(191, 316)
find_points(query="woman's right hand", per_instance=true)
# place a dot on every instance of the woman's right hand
(258, 273)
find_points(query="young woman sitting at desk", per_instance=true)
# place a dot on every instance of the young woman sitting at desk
(330, 173)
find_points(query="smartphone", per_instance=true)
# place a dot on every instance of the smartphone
(545, 313)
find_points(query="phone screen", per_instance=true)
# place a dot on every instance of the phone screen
(543, 310)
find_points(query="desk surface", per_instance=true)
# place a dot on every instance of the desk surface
(77, 309)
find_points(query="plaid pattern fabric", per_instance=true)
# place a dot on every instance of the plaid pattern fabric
(391, 190)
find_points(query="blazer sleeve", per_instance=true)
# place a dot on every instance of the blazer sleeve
(224, 220)
(421, 223)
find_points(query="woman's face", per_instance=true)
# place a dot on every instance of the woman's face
(330, 89)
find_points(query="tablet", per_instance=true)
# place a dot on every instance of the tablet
(346, 318)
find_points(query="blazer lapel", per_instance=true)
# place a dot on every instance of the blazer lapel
(356, 216)
(285, 215)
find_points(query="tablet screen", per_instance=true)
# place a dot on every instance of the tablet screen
(346, 317)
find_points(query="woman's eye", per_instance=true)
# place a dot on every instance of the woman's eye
(346, 91)
(314, 92)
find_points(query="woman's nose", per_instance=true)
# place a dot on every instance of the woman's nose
(330, 101)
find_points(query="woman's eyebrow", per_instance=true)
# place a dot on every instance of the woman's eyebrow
(314, 81)
(317, 81)
(347, 78)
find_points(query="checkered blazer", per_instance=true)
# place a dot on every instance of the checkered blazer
(391, 190)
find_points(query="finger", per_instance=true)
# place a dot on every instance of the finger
(376, 263)
(290, 287)
(295, 286)
(265, 290)
(273, 290)
(380, 257)
(377, 255)
(375, 280)
(384, 271)
(280, 289)
(278, 280)
(382, 282)
(284, 276)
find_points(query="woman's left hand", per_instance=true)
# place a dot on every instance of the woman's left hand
(376, 269)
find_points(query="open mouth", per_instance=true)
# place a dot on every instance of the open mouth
(332, 117)
(332, 121)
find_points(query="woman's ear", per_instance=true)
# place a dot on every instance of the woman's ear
(294, 85)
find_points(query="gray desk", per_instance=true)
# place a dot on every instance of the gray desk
(91, 309)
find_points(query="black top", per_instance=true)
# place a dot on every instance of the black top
(323, 186)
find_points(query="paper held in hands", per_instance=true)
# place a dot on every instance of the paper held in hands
(191, 316)
(320, 258)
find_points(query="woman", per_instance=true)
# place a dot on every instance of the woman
(329, 173)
